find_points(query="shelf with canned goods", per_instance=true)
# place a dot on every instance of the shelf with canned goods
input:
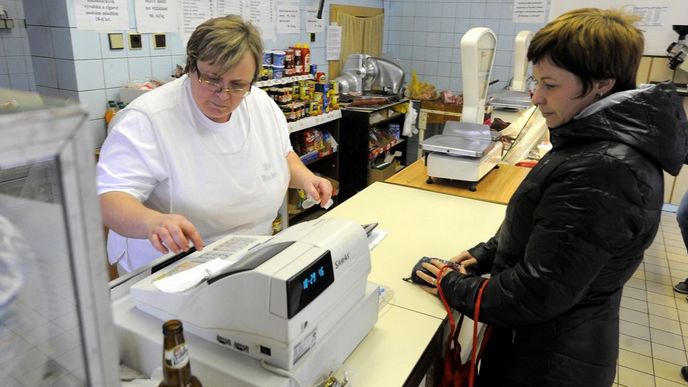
(309, 122)
(283, 80)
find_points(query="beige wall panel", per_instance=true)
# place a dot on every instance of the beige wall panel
(680, 186)
(643, 75)
(660, 71)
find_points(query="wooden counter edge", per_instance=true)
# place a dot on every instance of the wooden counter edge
(496, 187)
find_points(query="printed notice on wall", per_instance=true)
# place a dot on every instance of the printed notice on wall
(334, 42)
(101, 15)
(313, 24)
(229, 7)
(656, 17)
(529, 11)
(156, 16)
(288, 19)
(192, 14)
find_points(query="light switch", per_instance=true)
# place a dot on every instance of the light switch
(159, 41)
(135, 42)
(116, 40)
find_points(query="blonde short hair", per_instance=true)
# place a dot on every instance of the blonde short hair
(593, 44)
(224, 40)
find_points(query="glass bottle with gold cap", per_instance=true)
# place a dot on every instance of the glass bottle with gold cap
(176, 365)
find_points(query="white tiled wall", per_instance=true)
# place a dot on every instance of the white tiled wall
(425, 37)
(16, 70)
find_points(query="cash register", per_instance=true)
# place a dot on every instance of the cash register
(284, 300)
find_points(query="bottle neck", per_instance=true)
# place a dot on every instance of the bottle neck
(176, 363)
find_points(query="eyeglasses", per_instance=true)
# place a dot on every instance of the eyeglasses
(215, 86)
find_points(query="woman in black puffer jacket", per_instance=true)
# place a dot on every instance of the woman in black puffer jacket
(576, 229)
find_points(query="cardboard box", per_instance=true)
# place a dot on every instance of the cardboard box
(382, 174)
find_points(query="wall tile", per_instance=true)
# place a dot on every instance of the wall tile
(445, 55)
(112, 94)
(177, 47)
(434, 10)
(417, 24)
(506, 27)
(477, 10)
(35, 12)
(409, 9)
(116, 72)
(97, 130)
(144, 51)
(60, 13)
(435, 24)
(5, 81)
(461, 26)
(447, 25)
(432, 39)
(421, 9)
(20, 82)
(40, 42)
(66, 77)
(89, 74)
(443, 69)
(492, 24)
(393, 38)
(47, 91)
(181, 60)
(62, 42)
(85, 44)
(419, 65)
(94, 101)
(16, 65)
(493, 10)
(430, 68)
(139, 69)
(161, 67)
(13, 46)
(506, 11)
(105, 50)
(450, 10)
(419, 39)
(3, 65)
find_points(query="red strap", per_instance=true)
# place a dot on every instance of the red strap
(476, 316)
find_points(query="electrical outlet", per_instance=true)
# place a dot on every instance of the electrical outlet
(159, 41)
(116, 40)
(135, 42)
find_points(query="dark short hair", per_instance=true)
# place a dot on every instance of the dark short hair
(224, 40)
(593, 44)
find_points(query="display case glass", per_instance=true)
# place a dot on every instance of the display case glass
(55, 319)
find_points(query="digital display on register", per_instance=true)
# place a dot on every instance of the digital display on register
(309, 283)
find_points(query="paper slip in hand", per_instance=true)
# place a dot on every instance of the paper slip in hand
(187, 279)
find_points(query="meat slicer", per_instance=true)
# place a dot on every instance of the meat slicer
(364, 74)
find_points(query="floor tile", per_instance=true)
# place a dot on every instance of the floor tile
(667, 338)
(633, 344)
(665, 324)
(636, 362)
(633, 378)
(669, 371)
(668, 354)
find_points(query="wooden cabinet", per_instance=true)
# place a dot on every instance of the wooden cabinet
(358, 152)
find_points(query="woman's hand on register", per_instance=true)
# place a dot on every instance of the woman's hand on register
(172, 232)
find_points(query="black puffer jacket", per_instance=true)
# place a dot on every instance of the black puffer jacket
(573, 234)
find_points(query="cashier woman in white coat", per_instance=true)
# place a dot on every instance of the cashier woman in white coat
(200, 157)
